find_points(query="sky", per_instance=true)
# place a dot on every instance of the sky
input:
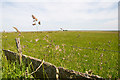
(56, 14)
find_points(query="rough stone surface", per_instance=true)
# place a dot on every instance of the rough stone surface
(49, 69)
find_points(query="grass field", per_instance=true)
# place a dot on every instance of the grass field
(77, 50)
(0, 56)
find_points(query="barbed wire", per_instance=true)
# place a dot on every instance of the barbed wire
(88, 48)
(95, 49)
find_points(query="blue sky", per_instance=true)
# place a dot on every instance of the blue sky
(72, 15)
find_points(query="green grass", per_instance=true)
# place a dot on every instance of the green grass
(78, 50)
(13, 70)
(0, 56)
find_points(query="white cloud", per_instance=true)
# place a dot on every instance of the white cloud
(53, 15)
(77, 10)
(111, 24)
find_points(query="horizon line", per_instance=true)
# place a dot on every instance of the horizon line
(61, 30)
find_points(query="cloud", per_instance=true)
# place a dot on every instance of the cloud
(111, 24)
(56, 14)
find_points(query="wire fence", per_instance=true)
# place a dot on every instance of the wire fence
(85, 61)
(80, 47)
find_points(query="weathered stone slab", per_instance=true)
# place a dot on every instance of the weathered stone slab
(50, 70)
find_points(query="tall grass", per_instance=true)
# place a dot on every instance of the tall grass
(80, 51)
(13, 70)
